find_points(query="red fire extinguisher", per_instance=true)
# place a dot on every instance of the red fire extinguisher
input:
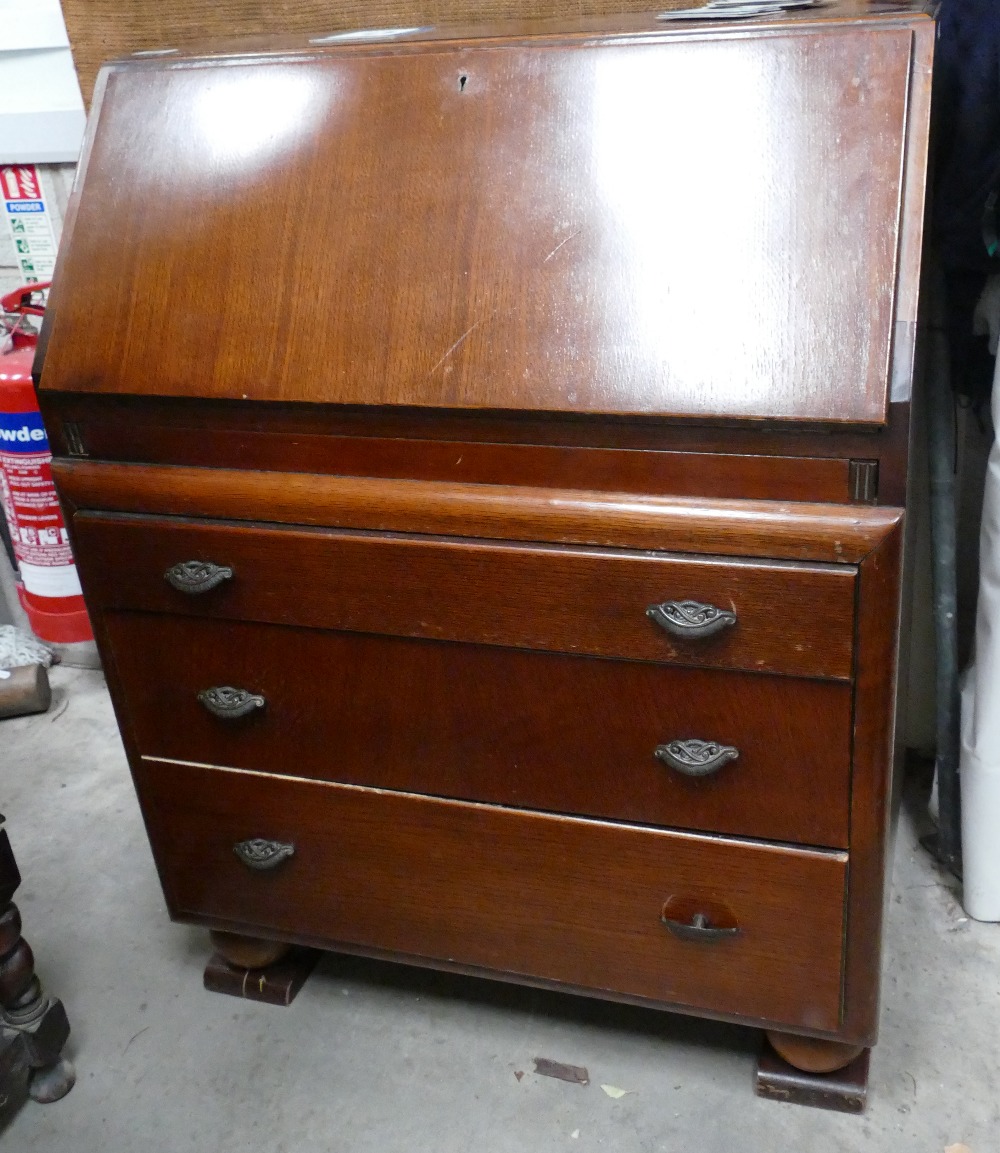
(49, 588)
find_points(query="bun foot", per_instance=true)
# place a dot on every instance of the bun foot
(248, 952)
(52, 1082)
(825, 1074)
(256, 969)
(812, 1055)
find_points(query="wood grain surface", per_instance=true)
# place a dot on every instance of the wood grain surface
(484, 225)
(755, 477)
(459, 347)
(879, 611)
(794, 619)
(103, 422)
(554, 897)
(101, 30)
(529, 730)
(771, 529)
(776, 461)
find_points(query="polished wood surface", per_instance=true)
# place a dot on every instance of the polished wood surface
(768, 529)
(525, 729)
(458, 347)
(880, 607)
(247, 952)
(313, 437)
(101, 30)
(796, 619)
(547, 466)
(554, 897)
(529, 241)
(812, 1055)
(678, 458)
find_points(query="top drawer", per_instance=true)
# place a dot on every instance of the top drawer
(796, 619)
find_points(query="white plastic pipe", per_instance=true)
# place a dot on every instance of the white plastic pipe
(980, 757)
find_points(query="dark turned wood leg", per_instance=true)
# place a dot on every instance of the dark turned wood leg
(807, 1071)
(33, 1026)
(257, 969)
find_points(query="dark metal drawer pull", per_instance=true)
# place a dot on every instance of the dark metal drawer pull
(691, 620)
(197, 576)
(696, 758)
(230, 704)
(698, 929)
(260, 854)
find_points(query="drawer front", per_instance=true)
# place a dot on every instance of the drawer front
(512, 727)
(796, 619)
(557, 898)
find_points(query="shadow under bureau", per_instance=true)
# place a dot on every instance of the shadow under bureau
(486, 453)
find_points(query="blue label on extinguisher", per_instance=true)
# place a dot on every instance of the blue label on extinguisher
(22, 432)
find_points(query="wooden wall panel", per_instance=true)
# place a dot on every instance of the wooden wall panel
(102, 30)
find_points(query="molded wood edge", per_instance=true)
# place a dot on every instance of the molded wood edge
(795, 531)
(69, 222)
(870, 868)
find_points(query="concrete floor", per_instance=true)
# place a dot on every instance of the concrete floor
(374, 1057)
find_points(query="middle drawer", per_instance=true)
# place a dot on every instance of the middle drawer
(528, 729)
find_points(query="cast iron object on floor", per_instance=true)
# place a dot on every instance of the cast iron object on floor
(33, 1026)
(844, 1090)
(258, 970)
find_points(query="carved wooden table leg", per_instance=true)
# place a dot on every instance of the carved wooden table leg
(257, 969)
(33, 1026)
(809, 1071)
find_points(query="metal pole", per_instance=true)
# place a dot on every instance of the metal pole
(941, 444)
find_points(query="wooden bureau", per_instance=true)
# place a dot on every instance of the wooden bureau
(486, 452)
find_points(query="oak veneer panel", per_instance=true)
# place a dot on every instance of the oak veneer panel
(101, 30)
(535, 247)
(811, 461)
(106, 420)
(526, 729)
(753, 477)
(794, 619)
(772, 529)
(549, 897)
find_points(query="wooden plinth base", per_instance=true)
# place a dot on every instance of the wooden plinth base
(845, 1090)
(276, 985)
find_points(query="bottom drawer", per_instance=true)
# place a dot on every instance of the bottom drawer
(559, 898)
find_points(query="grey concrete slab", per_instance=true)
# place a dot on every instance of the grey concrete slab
(375, 1057)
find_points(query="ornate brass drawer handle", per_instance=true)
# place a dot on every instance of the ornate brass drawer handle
(699, 929)
(230, 704)
(260, 854)
(696, 758)
(197, 576)
(691, 620)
